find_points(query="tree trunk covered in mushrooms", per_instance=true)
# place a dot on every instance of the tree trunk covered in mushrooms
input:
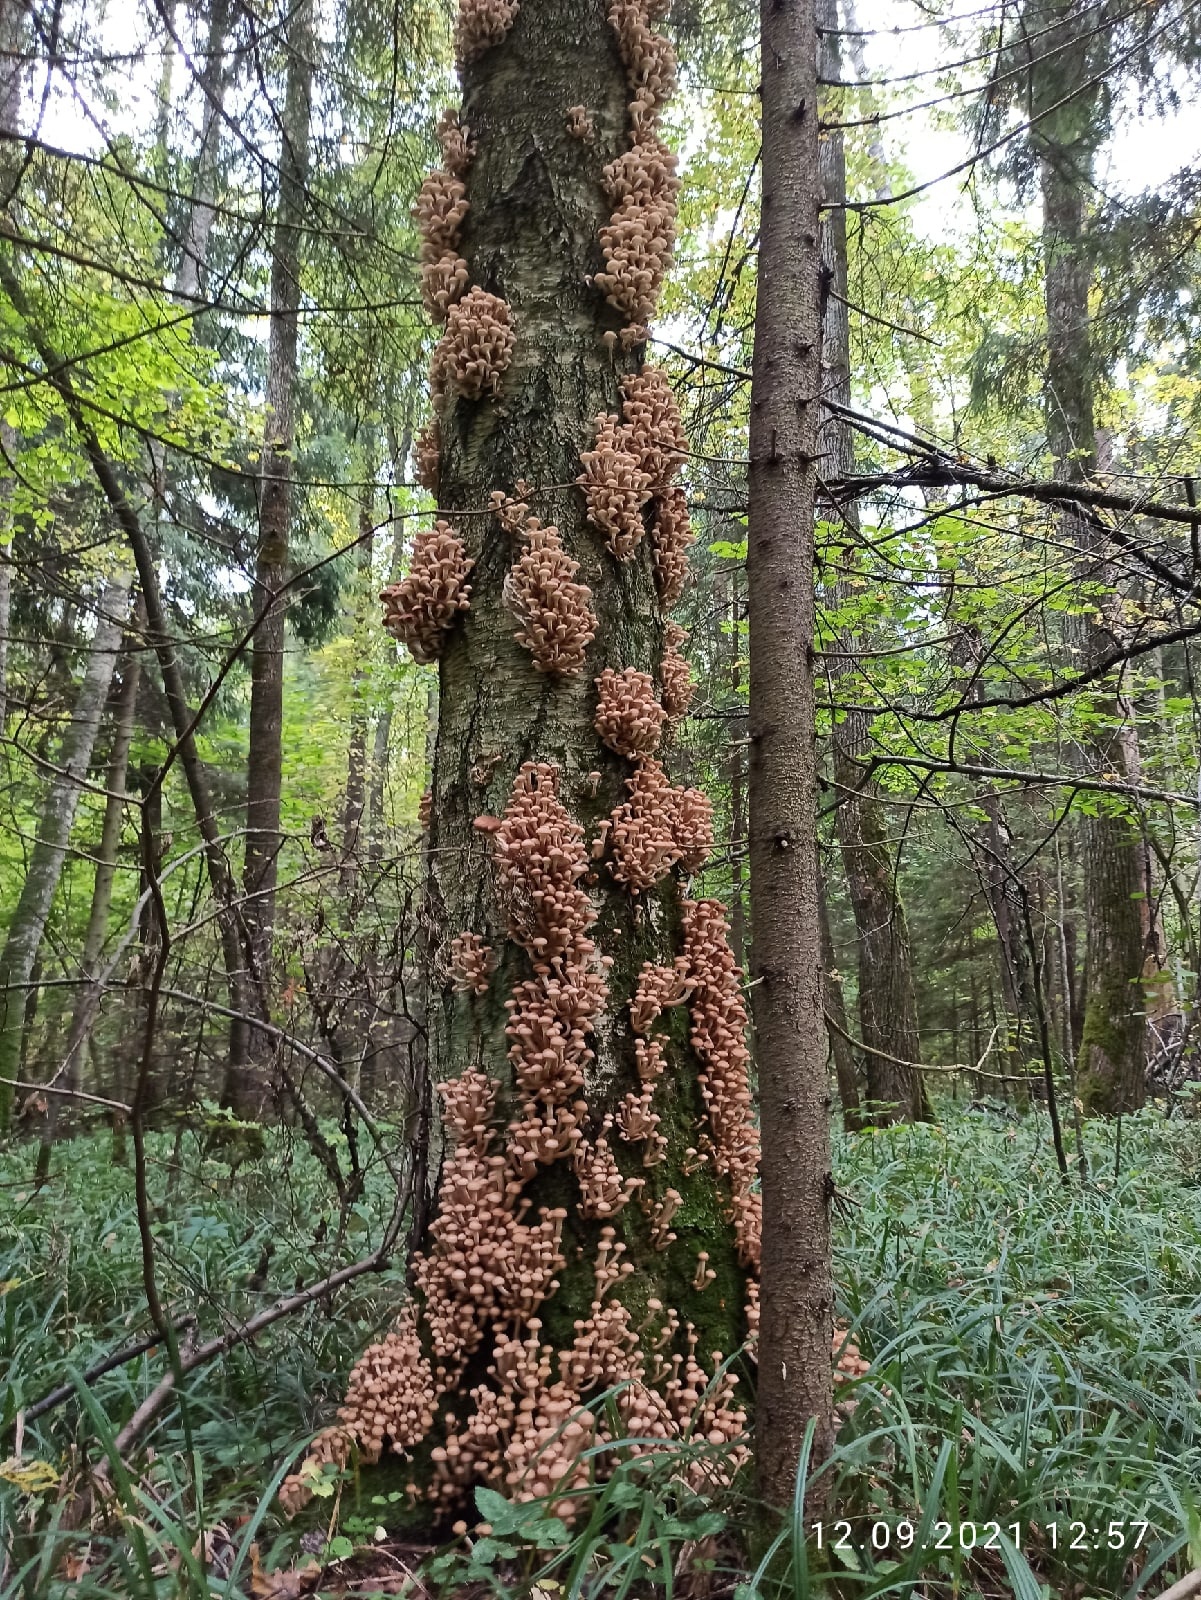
(542, 893)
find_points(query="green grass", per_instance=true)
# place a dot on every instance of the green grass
(1036, 1357)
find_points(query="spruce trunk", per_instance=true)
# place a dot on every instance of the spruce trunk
(794, 1097)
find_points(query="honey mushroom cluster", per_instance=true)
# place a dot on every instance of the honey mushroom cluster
(656, 827)
(438, 211)
(580, 125)
(554, 613)
(637, 240)
(474, 353)
(673, 536)
(603, 1190)
(849, 1365)
(655, 434)
(658, 988)
(489, 1266)
(481, 25)
(539, 860)
(649, 59)
(678, 687)
(486, 1265)
(421, 609)
(631, 463)
(529, 1433)
(470, 963)
(615, 487)
(654, 427)
(718, 1034)
(629, 718)
(642, 830)
(693, 828)
(458, 147)
(641, 184)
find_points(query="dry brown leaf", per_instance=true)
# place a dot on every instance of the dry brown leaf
(286, 1584)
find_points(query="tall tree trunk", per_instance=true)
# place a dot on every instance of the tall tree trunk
(555, 1166)
(736, 773)
(797, 1312)
(887, 999)
(1110, 1069)
(399, 447)
(90, 992)
(193, 266)
(13, 14)
(245, 1083)
(24, 937)
(837, 1030)
(355, 799)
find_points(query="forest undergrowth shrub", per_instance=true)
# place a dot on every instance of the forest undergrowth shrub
(1035, 1349)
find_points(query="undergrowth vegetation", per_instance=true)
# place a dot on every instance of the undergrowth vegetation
(1036, 1365)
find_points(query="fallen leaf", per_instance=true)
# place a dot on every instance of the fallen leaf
(286, 1584)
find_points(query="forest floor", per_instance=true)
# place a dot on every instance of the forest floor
(1035, 1353)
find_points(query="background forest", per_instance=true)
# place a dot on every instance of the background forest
(229, 999)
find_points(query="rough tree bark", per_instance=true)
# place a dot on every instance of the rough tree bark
(1110, 1068)
(49, 851)
(246, 1080)
(796, 1319)
(887, 997)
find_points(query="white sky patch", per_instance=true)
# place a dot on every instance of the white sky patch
(1143, 153)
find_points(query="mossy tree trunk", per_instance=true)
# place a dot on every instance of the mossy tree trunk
(1110, 1071)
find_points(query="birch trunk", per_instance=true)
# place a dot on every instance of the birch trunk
(28, 924)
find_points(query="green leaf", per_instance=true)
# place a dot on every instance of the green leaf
(501, 1514)
(1025, 1585)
